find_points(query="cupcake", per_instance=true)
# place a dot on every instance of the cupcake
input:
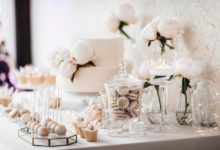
(5, 101)
(78, 125)
(36, 79)
(50, 79)
(90, 133)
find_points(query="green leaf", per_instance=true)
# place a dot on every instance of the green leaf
(149, 43)
(121, 25)
(147, 84)
(185, 85)
(158, 77)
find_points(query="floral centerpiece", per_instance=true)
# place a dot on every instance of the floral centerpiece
(164, 31)
(68, 61)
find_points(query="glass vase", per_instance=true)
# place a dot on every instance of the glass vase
(183, 112)
(204, 106)
(153, 110)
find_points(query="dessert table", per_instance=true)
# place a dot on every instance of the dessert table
(184, 139)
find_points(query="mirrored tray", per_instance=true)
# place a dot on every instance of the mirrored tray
(52, 140)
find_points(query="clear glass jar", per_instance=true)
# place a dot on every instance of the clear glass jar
(124, 102)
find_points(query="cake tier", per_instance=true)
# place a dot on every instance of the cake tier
(88, 79)
(108, 48)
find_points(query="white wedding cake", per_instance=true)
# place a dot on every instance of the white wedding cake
(108, 53)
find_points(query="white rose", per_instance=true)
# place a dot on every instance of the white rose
(169, 27)
(111, 22)
(57, 56)
(144, 70)
(187, 68)
(67, 69)
(148, 33)
(82, 51)
(126, 12)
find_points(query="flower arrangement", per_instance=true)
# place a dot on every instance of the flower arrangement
(163, 30)
(68, 61)
(120, 17)
(187, 69)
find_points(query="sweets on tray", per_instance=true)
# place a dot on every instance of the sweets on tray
(35, 76)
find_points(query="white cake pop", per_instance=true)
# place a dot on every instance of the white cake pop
(43, 131)
(25, 118)
(60, 130)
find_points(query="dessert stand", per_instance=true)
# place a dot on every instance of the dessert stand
(41, 105)
(49, 141)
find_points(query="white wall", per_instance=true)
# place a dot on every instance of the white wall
(56, 22)
(7, 15)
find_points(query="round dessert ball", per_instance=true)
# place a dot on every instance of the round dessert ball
(37, 117)
(53, 127)
(60, 130)
(33, 125)
(29, 123)
(45, 122)
(43, 131)
(36, 128)
(24, 111)
(25, 118)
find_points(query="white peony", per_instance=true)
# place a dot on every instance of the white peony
(57, 56)
(67, 69)
(126, 12)
(187, 68)
(82, 51)
(169, 27)
(148, 33)
(154, 22)
(144, 70)
(111, 22)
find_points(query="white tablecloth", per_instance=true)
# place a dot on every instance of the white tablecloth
(184, 139)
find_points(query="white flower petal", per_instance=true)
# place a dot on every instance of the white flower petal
(82, 51)
(187, 68)
(111, 23)
(144, 70)
(67, 69)
(57, 56)
(126, 12)
(148, 33)
(169, 27)
(154, 22)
